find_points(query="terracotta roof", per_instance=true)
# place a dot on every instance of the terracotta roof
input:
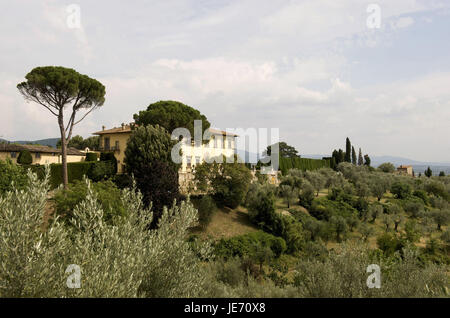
(221, 132)
(115, 130)
(127, 129)
(405, 166)
(37, 148)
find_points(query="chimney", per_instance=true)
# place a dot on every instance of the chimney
(123, 126)
(103, 127)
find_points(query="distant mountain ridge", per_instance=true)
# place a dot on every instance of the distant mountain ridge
(44, 142)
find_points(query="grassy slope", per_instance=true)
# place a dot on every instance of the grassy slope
(227, 223)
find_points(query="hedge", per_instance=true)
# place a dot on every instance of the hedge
(302, 164)
(245, 244)
(25, 157)
(94, 170)
(91, 156)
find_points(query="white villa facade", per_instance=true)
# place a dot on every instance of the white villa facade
(220, 144)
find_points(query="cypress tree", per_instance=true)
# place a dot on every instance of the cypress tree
(360, 158)
(353, 156)
(428, 172)
(348, 150)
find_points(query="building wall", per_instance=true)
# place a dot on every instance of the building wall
(4, 155)
(211, 149)
(214, 148)
(121, 139)
(45, 158)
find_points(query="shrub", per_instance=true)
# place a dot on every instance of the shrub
(390, 243)
(11, 175)
(122, 181)
(261, 211)
(387, 167)
(109, 156)
(206, 208)
(100, 170)
(24, 158)
(306, 195)
(438, 189)
(323, 209)
(107, 195)
(247, 244)
(421, 195)
(227, 183)
(401, 190)
(91, 156)
(120, 260)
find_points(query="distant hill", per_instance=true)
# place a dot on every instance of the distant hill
(44, 142)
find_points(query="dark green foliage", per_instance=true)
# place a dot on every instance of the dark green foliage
(158, 183)
(109, 156)
(248, 244)
(94, 170)
(353, 156)
(285, 151)
(148, 144)
(441, 217)
(226, 182)
(122, 181)
(428, 172)
(77, 142)
(91, 156)
(171, 115)
(323, 209)
(101, 170)
(339, 226)
(302, 164)
(367, 160)
(25, 158)
(348, 150)
(387, 167)
(206, 208)
(306, 195)
(11, 173)
(262, 213)
(422, 195)
(108, 195)
(360, 158)
(57, 88)
(390, 243)
(438, 189)
(401, 190)
(148, 158)
(442, 174)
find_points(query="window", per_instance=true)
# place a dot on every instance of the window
(117, 144)
(13, 154)
(188, 161)
(37, 155)
(230, 143)
(213, 141)
(197, 160)
(107, 145)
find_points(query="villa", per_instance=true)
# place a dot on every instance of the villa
(220, 143)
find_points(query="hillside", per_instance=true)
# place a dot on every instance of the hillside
(44, 142)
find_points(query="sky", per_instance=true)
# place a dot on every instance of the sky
(319, 71)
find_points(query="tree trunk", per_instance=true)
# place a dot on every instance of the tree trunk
(65, 177)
